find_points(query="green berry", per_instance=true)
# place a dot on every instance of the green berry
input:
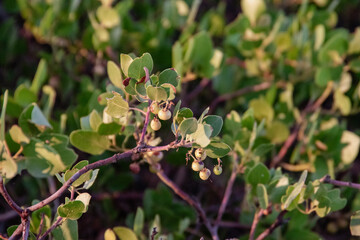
(154, 107)
(155, 156)
(164, 114)
(197, 166)
(155, 124)
(217, 170)
(200, 154)
(205, 174)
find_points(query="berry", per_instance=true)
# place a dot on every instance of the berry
(205, 174)
(154, 168)
(155, 156)
(154, 108)
(197, 166)
(217, 170)
(200, 154)
(164, 114)
(155, 124)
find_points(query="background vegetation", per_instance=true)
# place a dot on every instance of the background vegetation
(284, 76)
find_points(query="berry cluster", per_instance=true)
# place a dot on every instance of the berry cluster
(162, 113)
(199, 166)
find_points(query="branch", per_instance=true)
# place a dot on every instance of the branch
(8, 199)
(327, 179)
(153, 233)
(238, 93)
(26, 228)
(196, 205)
(100, 163)
(228, 190)
(52, 227)
(278, 222)
(16, 234)
(255, 222)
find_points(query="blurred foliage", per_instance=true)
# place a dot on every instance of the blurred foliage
(60, 61)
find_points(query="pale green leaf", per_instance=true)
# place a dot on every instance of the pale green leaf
(217, 149)
(125, 61)
(124, 233)
(68, 230)
(262, 195)
(72, 210)
(90, 142)
(107, 16)
(116, 106)
(342, 102)
(215, 122)
(139, 221)
(85, 199)
(253, 9)
(202, 135)
(109, 234)
(156, 93)
(188, 126)
(114, 74)
(136, 68)
(169, 76)
(40, 77)
(351, 150)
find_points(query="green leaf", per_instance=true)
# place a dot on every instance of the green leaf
(277, 132)
(338, 44)
(109, 128)
(68, 230)
(156, 93)
(2, 117)
(24, 96)
(354, 45)
(262, 109)
(202, 134)
(215, 122)
(169, 76)
(125, 61)
(136, 68)
(32, 121)
(188, 126)
(355, 224)
(107, 16)
(109, 234)
(139, 221)
(40, 77)
(262, 195)
(124, 233)
(263, 149)
(183, 113)
(217, 149)
(114, 74)
(351, 150)
(232, 122)
(72, 210)
(324, 75)
(95, 120)
(258, 174)
(116, 106)
(83, 178)
(90, 142)
(253, 9)
(131, 87)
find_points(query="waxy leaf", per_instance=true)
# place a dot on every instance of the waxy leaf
(90, 142)
(72, 210)
(262, 195)
(156, 93)
(116, 106)
(169, 76)
(136, 68)
(68, 230)
(297, 188)
(109, 128)
(217, 149)
(215, 122)
(258, 174)
(114, 74)
(124, 233)
(125, 61)
(32, 121)
(107, 16)
(188, 126)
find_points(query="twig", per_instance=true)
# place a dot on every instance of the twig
(17, 233)
(228, 190)
(3, 237)
(52, 190)
(279, 221)
(255, 222)
(284, 149)
(107, 161)
(41, 225)
(193, 11)
(146, 123)
(196, 205)
(153, 233)
(8, 199)
(138, 109)
(327, 179)
(52, 227)
(245, 90)
(26, 227)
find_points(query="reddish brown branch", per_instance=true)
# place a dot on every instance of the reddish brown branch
(8, 199)
(327, 179)
(255, 222)
(52, 227)
(278, 222)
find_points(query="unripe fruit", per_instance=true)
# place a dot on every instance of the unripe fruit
(155, 156)
(155, 124)
(154, 108)
(205, 174)
(217, 170)
(154, 168)
(197, 166)
(200, 154)
(164, 114)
